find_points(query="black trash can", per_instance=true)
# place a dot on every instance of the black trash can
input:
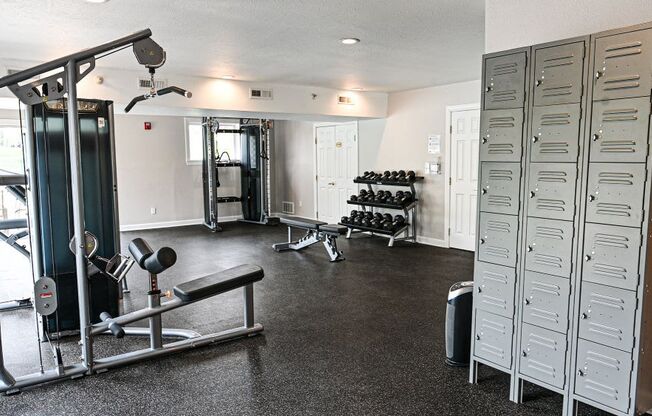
(458, 324)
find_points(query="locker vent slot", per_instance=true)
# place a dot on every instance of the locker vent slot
(498, 226)
(623, 49)
(506, 95)
(502, 122)
(497, 252)
(504, 69)
(616, 178)
(545, 315)
(559, 61)
(501, 174)
(500, 149)
(553, 147)
(621, 210)
(550, 233)
(558, 119)
(552, 176)
(499, 201)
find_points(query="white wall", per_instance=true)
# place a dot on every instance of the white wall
(398, 142)
(152, 173)
(510, 24)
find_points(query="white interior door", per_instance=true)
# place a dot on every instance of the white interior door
(465, 132)
(337, 166)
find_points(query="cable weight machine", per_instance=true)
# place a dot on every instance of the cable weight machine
(256, 136)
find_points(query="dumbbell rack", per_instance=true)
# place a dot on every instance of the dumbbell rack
(410, 211)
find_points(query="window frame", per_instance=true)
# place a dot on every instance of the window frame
(189, 121)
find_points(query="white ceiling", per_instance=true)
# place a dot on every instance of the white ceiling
(405, 43)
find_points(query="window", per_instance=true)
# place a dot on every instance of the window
(11, 147)
(227, 145)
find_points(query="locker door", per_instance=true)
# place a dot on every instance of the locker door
(500, 187)
(555, 133)
(558, 74)
(493, 338)
(619, 130)
(615, 193)
(603, 375)
(607, 315)
(549, 244)
(494, 288)
(611, 255)
(501, 135)
(546, 301)
(504, 81)
(552, 190)
(498, 234)
(623, 65)
(543, 355)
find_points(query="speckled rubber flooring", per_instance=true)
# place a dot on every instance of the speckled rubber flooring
(360, 337)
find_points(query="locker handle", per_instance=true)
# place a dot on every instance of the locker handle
(598, 74)
(584, 315)
(539, 82)
(580, 373)
(484, 191)
(477, 337)
(526, 301)
(482, 241)
(532, 194)
(479, 290)
(484, 140)
(535, 139)
(488, 89)
(524, 353)
(595, 137)
(591, 198)
(530, 248)
(587, 257)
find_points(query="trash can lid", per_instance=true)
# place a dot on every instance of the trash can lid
(460, 288)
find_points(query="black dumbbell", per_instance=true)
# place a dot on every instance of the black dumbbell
(388, 226)
(353, 198)
(362, 193)
(370, 196)
(388, 217)
(401, 174)
(364, 222)
(399, 219)
(357, 220)
(399, 194)
(368, 215)
(374, 223)
(344, 220)
(353, 214)
(390, 200)
(411, 175)
(386, 174)
(408, 195)
(378, 216)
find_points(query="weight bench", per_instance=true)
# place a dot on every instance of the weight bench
(316, 231)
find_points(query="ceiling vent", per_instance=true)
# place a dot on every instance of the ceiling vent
(343, 99)
(260, 94)
(287, 207)
(146, 83)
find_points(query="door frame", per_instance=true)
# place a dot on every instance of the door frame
(450, 109)
(315, 156)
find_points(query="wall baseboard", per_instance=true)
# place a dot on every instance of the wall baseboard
(432, 241)
(170, 224)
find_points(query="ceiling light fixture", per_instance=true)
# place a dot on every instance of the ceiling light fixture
(227, 76)
(96, 1)
(349, 41)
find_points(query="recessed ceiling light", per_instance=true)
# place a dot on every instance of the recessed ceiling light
(227, 76)
(349, 41)
(357, 89)
(96, 1)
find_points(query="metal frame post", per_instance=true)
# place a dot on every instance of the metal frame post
(249, 306)
(77, 191)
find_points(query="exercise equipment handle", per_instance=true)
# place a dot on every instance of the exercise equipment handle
(115, 328)
(153, 261)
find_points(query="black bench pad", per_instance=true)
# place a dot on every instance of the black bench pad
(305, 223)
(333, 229)
(220, 282)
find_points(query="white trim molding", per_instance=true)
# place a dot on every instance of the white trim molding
(429, 241)
(450, 109)
(171, 224)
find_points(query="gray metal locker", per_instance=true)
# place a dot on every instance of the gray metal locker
(558, 74)
(497, 239)
(623, 65)
(549, 246)
(615, 193)
(494, 288)
(619, 130)
(500, 186)
(493, 338)
(603, 374)
(607, 316)
(501, 135)
(546, 300)
(543, 355)
(552, 190)
(504, 81)
(611, 255)
(555, 133)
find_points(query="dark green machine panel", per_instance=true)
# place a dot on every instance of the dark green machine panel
(252, 173)
(55, 211)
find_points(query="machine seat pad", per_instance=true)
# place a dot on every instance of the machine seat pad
(220, 282)
(305, 223)
(333, 229)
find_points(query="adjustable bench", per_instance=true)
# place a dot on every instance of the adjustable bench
(316, 231)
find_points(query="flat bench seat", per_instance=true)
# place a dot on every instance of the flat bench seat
(220, 282)
(305, 223)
